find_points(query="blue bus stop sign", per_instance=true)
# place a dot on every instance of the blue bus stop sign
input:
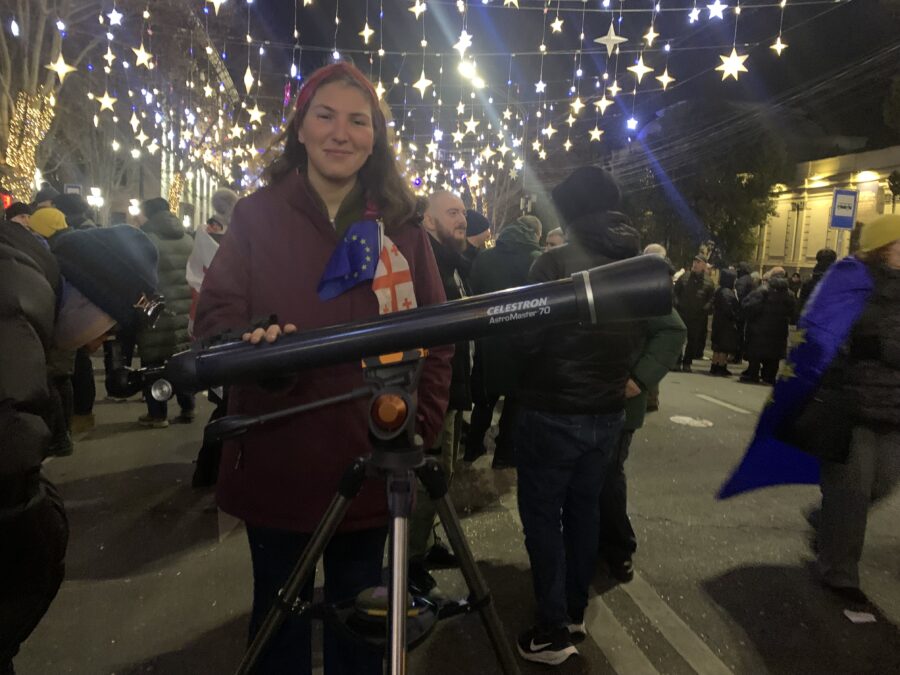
(843, 209)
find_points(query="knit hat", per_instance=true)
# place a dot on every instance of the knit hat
(588, 189)
(533, 223)
(880, 232)
(17, 209)
(223, 201)
(71, 204)
(47, 221)
(153, 206)
(476, 223)
(111, 266)
(45, 194)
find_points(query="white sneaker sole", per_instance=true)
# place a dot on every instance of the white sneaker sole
(548, 658)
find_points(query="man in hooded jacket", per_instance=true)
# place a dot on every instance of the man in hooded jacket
(572, 400)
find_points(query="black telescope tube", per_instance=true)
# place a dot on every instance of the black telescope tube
(630, 289)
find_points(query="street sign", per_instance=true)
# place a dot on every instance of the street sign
(72, 189)
(843, 209)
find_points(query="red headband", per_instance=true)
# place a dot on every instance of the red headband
(331, 72)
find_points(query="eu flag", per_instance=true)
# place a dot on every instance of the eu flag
(353, 261)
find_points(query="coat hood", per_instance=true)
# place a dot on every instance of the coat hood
(727, 278)
(165, 225)
(519, 235)
(608, 232)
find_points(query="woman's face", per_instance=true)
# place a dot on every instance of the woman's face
(338, 132)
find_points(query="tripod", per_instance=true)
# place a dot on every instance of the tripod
(399, 460)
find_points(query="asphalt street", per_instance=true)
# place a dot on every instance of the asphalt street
(158, 581)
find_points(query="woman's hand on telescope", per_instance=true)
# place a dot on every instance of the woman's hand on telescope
(269, 334)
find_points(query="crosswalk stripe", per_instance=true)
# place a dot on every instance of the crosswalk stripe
(620, 650)
(687, 643)
(724, 404)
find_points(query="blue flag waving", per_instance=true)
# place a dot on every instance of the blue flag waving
(833, 309)
(353, 261)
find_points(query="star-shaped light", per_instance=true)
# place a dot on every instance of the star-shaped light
(142, 56)
(596, 133)
(106, 101)
(464, 42)
(366, 33)
(779, 46)
(540, 86)
(207, 91)
(513, 173)
(248, 79)
(567, 145)
(694, 15)
(134, 122)
(610, 40)
(518, 164)
(570, 120)
(650, 36)
(142, 137)
(716, 9)
(379, 89)
(115, 17)
(542, 154)
(457, 136)
(511, 3)
(432, 147)
(460, 108)
(548, 130)
(60, 67)
(507, 114)
(556, 26)
(216, 4)
(109, 57)
(639, 69)
(256, 114)
(536, 145)
(614, 88)
(237, 131)
(488, 152)
(153, 147)
(418, 8)
(577, 105)
(422, 83)
(665, 79)
(472, 125)
(602, 104)
(732, 65)
(503, 149)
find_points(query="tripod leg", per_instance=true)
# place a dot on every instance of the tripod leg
(432, 477)
(400, 491)
(287, 600)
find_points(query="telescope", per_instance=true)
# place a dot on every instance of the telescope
(632, 289)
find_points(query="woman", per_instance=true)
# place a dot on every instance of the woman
(868, 370)
(726, 312)
(336, 168)
(768, 312)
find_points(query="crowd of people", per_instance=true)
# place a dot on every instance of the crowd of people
(283, 252)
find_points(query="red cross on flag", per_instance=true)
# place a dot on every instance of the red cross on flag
(393, 282)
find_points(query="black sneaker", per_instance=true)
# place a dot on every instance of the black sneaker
(577, 631)
(440, 557)
(420, 582)
(621, 570)
(550, 647)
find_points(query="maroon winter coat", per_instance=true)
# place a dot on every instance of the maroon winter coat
(284, 475)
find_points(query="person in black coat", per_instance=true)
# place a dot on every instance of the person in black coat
(726, 339)
(743, 286)
(106, 276)
(693, 300)
(768, 311)
(825, 258)
(506, 265)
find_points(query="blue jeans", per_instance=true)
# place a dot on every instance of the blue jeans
(562, 462)
(352, 563)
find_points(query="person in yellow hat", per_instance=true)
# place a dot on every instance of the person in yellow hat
(47, 222)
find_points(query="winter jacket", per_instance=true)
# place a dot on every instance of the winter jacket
(810, 284)
(743, 286)
(693, 296)
(871, 364)
(661, 344)
(506, 265)
(726, 313)
(768, 311)
(581, 369)
(170, 334)
(270, 262)
(454, 270)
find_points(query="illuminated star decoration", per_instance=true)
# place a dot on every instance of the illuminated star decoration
(216, 4)
(540, 86)
(115, 17)
(507, 114)
(366, 33)
(610, 40)
(513, 173)
(457, 136)
(556, 26)
(461, 108)
(109, 57)
(548, 131)
(142, 137)
(779, 46)
(577, 105)
(694, 15)
(256, 114)
(248, 79)
(567, 145)
(464, 42)
(142, 56)
(732, 65)
(422, 83)
(379, 89)
(106, 101)
(716, 9)
(511, 3)
(237, 131)
(536, 145)
(665, 79)
(602, 104)
(639, 69)
(418, 8)
(650, 36)
(614, 88)
(134, 122)
(596, 133)
(570, 120)
(60, 67)
(472, 125)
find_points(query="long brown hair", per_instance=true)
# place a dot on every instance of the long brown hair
(876, 257)
(380, 177)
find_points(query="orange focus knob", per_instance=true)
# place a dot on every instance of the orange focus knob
(389, 411)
